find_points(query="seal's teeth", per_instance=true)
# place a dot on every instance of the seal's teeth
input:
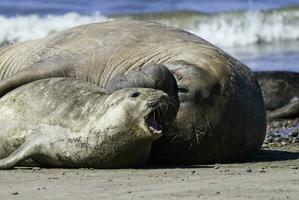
(155, 131)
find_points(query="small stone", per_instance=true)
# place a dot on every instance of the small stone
(15, 193)
(276, 124)
(268, 140)
(295, 140)
(272, 143)
(284, 143)
(294, 133)
(249, 170)
(193, 172)
(265, 146)
(293, 167)
(35, 168)
(263, 170)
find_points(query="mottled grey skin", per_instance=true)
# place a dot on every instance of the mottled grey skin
(281, 93)
(221, 116)
(62, 122)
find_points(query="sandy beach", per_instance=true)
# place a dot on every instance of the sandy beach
(272, 174)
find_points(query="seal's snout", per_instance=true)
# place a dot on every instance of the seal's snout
(155, 100)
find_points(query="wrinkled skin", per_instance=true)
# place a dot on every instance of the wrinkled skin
(209, 125)
(155, 76)
(281, 93)
(221, 116)
(63, 122)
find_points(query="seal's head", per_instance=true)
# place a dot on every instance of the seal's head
(140, 109)
(197, 90)
(220, 113)
(133, 119)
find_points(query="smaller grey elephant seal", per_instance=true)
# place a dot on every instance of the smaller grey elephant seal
(63, 122)
(281, 93)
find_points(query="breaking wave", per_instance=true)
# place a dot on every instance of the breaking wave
(235, 28)
(240, 29)
(22, 28)
(223, 29)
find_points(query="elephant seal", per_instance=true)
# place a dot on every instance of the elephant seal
(281, 93)
(221, 117)
(62, 122)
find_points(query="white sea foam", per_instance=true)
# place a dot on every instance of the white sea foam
(223, 29)
(22, 28)
(239, 29)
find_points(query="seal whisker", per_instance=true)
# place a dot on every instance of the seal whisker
(172, 100)
(159, 110)
(164, 108)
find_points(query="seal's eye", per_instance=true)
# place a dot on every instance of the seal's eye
(182, 89)
(134, 94)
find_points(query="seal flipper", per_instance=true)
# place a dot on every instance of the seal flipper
(154, 76)
(288, 111)
(37, 71)
(24, 152)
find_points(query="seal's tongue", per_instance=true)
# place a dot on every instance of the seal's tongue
(153, 124)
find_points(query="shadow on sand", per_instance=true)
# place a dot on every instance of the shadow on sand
(261, 156)
(274, 155)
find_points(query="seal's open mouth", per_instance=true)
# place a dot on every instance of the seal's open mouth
(154, 122)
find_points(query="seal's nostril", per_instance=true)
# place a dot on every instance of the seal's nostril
(134, 94)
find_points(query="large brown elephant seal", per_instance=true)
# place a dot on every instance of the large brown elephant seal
(62, 122)
(281, 93)
(221, 116)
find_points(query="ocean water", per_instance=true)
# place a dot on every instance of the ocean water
(264, 34)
